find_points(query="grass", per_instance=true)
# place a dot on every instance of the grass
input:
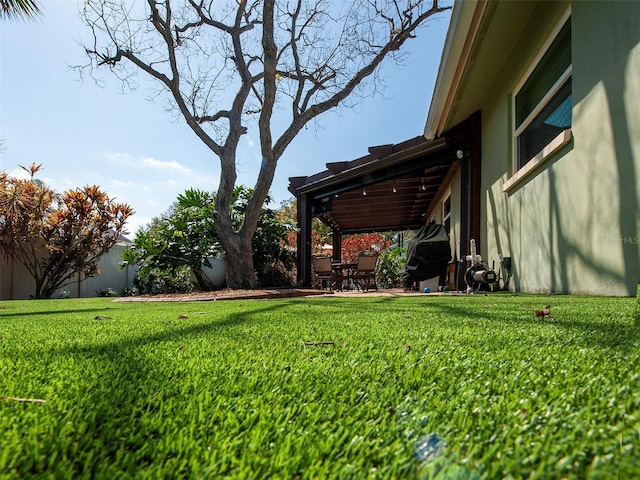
(233, 391)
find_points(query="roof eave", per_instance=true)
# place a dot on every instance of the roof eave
(463, 26)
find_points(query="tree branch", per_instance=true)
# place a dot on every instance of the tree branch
(396, 40)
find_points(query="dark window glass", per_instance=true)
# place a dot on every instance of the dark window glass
(553, 64)
(555, 115)
(552, 120)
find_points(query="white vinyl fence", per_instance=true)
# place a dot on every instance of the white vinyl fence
(17, 284)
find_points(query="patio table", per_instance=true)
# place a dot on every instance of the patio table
(346, 270)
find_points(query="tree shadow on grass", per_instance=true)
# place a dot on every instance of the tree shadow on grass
(183, 331)
(458, 310)
(614, 335)
(118, 406)
(7, 313)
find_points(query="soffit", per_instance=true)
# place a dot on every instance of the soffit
(490, 61)
(484, 62)
(391, 205)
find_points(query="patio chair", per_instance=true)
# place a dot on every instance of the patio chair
(364, 275)
(323, 271)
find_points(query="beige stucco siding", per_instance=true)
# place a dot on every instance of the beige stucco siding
(573, 225)
(607, 137)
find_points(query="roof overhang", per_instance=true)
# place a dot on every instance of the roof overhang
(463, 28)
(478, 52)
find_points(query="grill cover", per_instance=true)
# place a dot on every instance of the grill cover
(427, 254)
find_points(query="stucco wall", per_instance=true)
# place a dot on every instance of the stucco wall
(574, 225)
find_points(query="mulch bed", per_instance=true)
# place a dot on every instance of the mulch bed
(225, 294)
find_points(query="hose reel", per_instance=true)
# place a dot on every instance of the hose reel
(478, 274)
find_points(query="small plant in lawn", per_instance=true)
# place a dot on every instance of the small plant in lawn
(321, 388)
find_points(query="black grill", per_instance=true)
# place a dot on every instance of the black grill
(427, 254)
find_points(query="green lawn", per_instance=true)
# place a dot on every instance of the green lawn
(233, 390)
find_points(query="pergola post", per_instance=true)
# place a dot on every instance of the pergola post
(337, 245)
(304, 241)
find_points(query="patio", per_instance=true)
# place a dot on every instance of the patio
(393, 188)
(267, 293)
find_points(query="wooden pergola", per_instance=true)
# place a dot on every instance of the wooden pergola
(393, 188)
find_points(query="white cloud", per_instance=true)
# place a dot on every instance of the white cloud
(119, 183)
(130, 160)
(18, 173)
(171, 166)
(118, 157)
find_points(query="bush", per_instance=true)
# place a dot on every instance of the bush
(391, 264)
(129, 291)
(106, 293)
(157, 281)
(186, 235)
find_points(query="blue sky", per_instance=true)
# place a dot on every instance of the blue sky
(141, 154)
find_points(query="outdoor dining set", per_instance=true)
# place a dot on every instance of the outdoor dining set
(335, 275)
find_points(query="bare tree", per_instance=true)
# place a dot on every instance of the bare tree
(227, 67)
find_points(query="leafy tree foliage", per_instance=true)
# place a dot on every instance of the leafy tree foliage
(186, 236)
(354, 244)
(57, 237)
(273, 258)
(288, 213)
(390, 268)
(182, 238)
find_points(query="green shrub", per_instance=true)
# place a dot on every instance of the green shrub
(390, 267)
(106, 293)
(129, 292)
(186, 235)
(157, 281)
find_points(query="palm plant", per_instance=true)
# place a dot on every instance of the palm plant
(27, 9)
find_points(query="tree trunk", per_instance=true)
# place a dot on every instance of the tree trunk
(240, 271)
(43, 289)
(38, 295)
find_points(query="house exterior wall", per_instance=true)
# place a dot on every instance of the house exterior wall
(573, 225)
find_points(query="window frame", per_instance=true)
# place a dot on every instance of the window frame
(521, 172)
(446, 216)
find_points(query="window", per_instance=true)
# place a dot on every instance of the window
(446, 214)
(542, 104)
